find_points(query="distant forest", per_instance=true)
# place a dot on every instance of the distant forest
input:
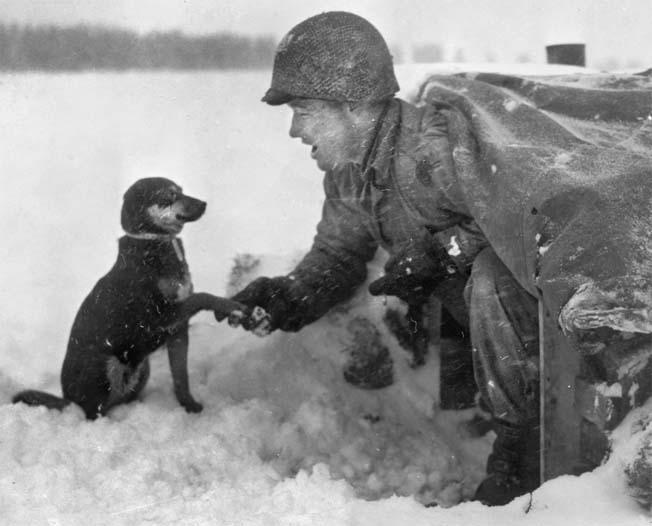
(82, 47)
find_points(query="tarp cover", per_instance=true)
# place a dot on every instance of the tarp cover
(557, 172)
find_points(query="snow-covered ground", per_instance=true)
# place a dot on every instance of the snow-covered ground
(282, 440)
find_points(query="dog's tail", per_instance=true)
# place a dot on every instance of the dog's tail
(32, 397)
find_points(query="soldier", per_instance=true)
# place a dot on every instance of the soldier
(413, 181)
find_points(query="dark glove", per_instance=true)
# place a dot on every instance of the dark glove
(274, 295)
(415, 270)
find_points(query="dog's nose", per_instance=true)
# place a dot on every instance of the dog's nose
(200, 208)
(193, 208)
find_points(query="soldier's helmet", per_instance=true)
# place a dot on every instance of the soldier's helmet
(336, 56)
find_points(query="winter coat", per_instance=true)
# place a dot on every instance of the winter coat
(562, 191)
(402, 192)
(558, 176)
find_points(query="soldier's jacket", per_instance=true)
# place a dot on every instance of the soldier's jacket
(404, 190)
(557, 179)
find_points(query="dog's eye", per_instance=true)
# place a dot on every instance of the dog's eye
(167, 197)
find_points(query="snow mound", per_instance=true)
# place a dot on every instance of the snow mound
(283, 439)
(278, 419)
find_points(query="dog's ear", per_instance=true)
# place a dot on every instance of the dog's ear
(131, 215)
(136, 199)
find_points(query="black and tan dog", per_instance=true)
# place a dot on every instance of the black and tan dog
(144, 302)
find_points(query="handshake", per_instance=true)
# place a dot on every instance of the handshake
(270, 304)
(256, 321)
(412, 274)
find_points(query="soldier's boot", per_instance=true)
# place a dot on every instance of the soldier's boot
(509, 467)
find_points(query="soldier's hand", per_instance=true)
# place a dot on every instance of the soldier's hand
(414, 271)
(274, 297)
(255, 320)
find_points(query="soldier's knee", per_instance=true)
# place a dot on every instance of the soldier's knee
(486, 267)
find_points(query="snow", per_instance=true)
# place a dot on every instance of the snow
(283, 439)
(411, 76)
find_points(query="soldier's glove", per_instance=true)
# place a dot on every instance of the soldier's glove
(275, 297)
(415, 270)
(255, 320)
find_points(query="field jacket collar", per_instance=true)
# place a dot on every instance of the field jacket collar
(376, 167)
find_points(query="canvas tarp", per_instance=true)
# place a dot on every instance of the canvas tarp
(557, 172)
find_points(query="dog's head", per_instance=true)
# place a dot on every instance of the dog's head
(156, 205)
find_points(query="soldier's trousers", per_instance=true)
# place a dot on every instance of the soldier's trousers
(505, 338)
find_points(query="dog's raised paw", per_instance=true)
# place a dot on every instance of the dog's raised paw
(236, 318)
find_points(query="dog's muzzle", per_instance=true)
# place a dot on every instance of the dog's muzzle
(192, 209)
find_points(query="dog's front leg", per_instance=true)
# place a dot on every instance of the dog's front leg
(177, 344)
(199, 301)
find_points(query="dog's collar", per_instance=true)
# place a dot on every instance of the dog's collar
(160, 237)
(151, 237)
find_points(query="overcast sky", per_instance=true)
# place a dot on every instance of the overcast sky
(500, 29)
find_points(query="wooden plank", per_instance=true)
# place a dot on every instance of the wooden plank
(433, 321)
(560, 451)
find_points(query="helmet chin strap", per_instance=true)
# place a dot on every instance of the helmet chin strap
(373, 142)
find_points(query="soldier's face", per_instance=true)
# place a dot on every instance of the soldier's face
(331, 129)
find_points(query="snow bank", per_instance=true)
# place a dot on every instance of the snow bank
(280, 427)
(412, 76)
(282, 440)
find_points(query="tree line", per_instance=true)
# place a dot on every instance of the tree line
(83, 47)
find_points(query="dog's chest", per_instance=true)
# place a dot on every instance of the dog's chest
(175, 282)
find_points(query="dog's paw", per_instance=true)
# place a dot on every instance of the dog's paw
(191, 406)
(236, 318)
(225, 308)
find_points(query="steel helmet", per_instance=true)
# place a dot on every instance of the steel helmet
(334, 56)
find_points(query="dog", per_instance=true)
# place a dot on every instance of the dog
(142, 303)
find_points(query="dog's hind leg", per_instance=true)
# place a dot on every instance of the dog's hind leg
(125, 382)
(177, 344)
(36, 398)
(137, 383)
(120, 384)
